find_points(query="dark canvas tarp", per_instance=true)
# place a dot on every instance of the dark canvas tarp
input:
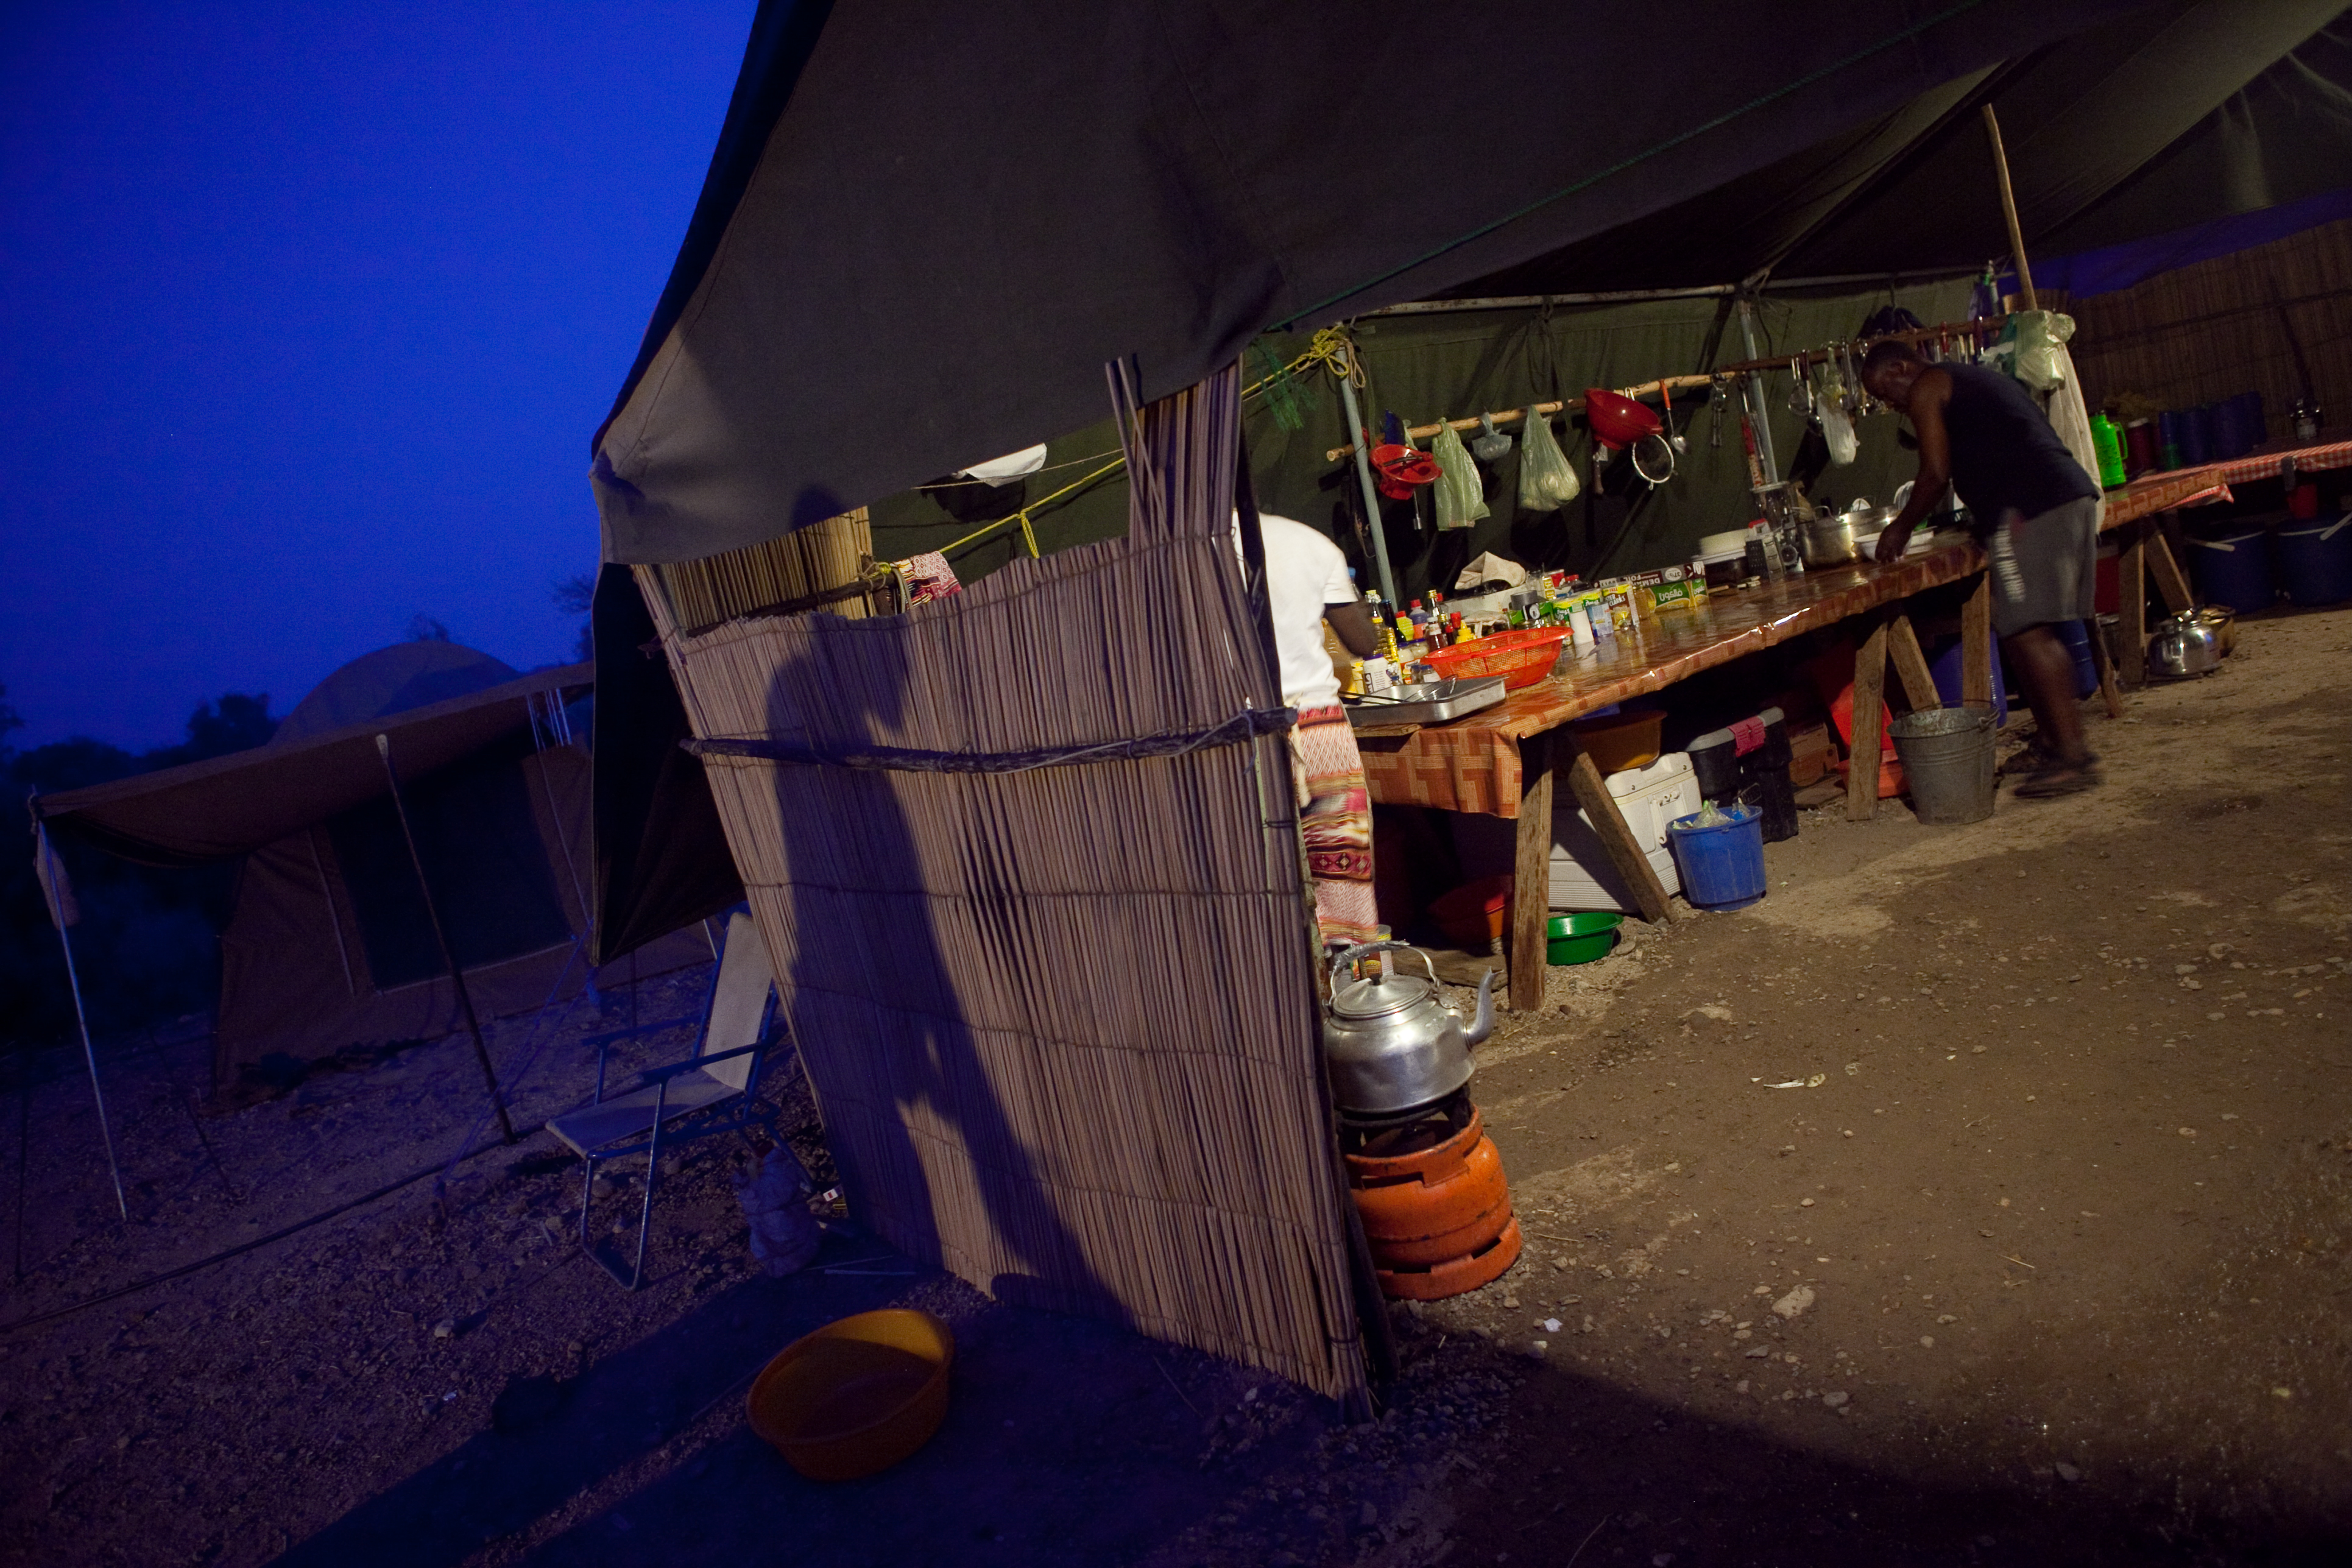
(2123, 131)
(955, 218)
(327, 944)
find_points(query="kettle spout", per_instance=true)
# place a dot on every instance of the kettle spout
(1483, 1023)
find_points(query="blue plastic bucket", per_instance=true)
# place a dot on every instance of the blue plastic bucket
(2077, 638)
(2314, 561)
(1722, 867)
(1949, 671)
(2234, 570)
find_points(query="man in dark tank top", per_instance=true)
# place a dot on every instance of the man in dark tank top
(2038, 514)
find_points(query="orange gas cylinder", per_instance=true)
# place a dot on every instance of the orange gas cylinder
(1438, 1218)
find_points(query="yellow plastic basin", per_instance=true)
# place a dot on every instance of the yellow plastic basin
(857, 1396)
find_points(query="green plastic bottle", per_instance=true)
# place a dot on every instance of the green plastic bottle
(2108, 443)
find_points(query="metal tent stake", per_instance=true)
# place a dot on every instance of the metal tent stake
(55, 869)
(448, 954)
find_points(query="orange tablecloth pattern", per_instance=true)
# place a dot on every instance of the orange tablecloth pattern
(1473, 764)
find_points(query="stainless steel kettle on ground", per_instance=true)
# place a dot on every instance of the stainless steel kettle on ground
(2183, 645)
(1390, 1042)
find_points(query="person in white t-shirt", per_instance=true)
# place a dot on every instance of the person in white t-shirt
(1307, 585)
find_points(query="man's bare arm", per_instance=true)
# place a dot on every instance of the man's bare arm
(1933, 390)
(1354, 625)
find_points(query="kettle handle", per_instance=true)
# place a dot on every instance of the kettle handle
(1348, 956)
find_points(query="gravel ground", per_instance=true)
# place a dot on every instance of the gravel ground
(2042, 1260)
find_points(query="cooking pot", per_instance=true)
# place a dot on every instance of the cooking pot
(2184, 645)
(1828, 540)
(1390, 1043)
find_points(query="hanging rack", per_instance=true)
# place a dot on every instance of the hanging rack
(1746, 367)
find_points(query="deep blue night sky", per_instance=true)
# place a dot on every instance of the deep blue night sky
(310, 312)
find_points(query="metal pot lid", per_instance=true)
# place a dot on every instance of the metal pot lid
(1380, 995)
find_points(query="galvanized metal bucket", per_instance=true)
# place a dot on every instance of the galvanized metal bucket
(1946, 756)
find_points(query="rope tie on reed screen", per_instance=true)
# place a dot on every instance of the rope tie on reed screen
(1245, 725)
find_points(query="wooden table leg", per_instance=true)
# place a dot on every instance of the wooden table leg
(2106, 668)
(2131, 587)
(1626, 852)
(1869, 684)
(1531, 874)
(1976, 644)
(2169, 583)
(1911, 664)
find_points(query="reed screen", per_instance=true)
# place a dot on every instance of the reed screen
(759, 579)
(1061, 1023)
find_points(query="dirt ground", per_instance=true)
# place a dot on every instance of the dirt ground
(1982, 1195)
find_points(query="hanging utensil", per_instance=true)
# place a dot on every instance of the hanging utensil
(1674, 438)
(1800, 390)
(1491, 445)
(1716, 394)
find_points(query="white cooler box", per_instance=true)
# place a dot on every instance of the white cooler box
(1581, 876)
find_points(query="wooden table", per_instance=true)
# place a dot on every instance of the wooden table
(2132, 511)
(1503, 761)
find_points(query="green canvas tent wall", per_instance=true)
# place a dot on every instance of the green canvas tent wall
(327, 944)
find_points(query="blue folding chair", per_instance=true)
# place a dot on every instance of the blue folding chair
(716, 1089)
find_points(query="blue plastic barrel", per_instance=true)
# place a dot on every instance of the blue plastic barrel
(1722, 867)
(1947, 668)
(2235, 569)
(2314, 561)
(2077, 638)
(2197, 435)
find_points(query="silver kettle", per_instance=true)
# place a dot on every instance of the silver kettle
(2184, 645)
(1390, 1043)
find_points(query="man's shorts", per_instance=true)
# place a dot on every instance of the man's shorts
(2044, 568)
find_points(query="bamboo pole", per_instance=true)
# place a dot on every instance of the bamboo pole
(2009, 210)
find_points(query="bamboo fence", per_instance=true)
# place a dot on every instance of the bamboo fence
(1061, 1022)
(2253, 321)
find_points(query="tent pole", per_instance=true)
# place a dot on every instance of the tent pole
(2009, 210)
(56, 879)
(1390, 603)
(1757, 413)
(448, 954)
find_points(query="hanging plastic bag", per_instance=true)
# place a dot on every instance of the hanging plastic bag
(1546, 480)
(784, 1235)
(1838, 431)
(1461, 494)
(2041, 337)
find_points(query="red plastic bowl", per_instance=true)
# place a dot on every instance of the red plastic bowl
(1618, 420)
(1521, 658)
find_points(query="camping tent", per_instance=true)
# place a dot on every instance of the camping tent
(1172, 193)
(922, 238)
(328, 943)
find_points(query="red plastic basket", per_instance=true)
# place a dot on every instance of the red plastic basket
(1520, 657)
